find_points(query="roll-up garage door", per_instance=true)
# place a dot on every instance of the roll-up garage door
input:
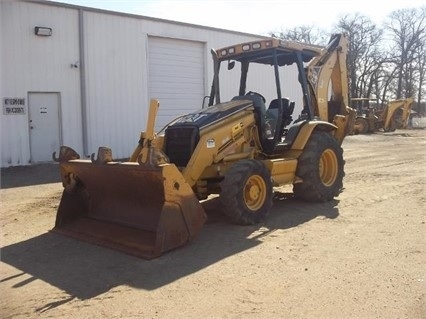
(176, 76)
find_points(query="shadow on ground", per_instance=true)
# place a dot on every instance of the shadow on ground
(18, 176)
(85, 271)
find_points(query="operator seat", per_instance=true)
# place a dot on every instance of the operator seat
(258, 104)
(288, 109)
(259, 108)
(260, 115)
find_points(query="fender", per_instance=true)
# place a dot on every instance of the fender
(306, 131)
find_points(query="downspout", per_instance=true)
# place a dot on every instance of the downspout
(83, 93)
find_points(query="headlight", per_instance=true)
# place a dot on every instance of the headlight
(256, 46)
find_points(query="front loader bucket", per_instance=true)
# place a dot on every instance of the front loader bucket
(138, 209)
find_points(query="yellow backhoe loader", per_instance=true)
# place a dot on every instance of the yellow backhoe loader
(239, 149)
(393, 116)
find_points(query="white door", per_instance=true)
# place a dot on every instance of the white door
(45, 133)
(175, 76)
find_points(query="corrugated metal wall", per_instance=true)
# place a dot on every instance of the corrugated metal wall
(31, 63)
(2, 27)
(115, 58)
(115, 74)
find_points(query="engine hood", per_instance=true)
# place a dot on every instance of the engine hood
(213, 114)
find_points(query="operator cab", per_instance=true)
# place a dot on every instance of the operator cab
(272, 121)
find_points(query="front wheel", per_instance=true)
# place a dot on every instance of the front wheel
(321, 168)
(246, 192)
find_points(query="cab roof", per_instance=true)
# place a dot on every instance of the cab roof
(263, 51)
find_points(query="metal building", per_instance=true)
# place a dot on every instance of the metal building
(83, 77)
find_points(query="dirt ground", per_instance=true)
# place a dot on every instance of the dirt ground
(359, 256)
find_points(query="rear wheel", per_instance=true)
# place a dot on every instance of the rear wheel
(321, 168)
(361, 125)
(246, 192)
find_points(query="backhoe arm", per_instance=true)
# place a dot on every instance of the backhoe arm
(393, 106)
(330, 68)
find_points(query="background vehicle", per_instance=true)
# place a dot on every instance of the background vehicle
(238, 149)
(370, 118)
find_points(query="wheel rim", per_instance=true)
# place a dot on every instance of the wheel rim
(254, 192)
(328, 167)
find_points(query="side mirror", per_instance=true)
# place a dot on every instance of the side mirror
(205, 102)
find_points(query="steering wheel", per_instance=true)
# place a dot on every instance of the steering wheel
(258, 94)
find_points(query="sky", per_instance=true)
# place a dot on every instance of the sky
(254, 16)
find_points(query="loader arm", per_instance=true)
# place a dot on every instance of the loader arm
(147, 137)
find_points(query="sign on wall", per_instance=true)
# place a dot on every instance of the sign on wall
(14, 106)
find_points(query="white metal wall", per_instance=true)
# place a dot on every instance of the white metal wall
(2, 136)
(116, 84)
(31, 63)
(115, 59)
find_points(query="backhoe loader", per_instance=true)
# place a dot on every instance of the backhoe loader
(238, 149)
(393, 116)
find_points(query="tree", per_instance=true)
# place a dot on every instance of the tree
(421, 64)
(387, 62)
(407, 33)
(306, 34)
(365, 59)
